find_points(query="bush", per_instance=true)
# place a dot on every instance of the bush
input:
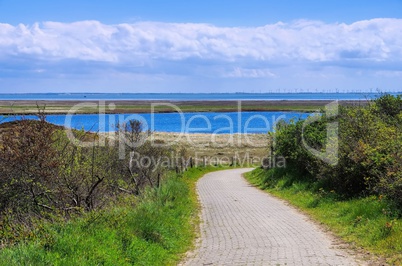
(45, 176)
(369, 157)
(288, 139)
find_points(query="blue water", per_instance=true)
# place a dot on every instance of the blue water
(219, 123)
(188, 96)
(233, 122)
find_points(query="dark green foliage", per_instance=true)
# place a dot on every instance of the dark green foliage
(369, 151)
(389, 106)
(288, 142)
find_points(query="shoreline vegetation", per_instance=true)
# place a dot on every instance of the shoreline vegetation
(27, 107)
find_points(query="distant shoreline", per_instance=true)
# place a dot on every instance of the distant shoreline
(189, 96)
(13, 107)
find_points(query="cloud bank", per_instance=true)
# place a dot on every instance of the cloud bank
(53, 49)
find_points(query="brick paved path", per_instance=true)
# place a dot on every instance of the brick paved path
(242, 225)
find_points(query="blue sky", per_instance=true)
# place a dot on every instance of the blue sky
(200, 46)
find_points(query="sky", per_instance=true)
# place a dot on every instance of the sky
(200, 46)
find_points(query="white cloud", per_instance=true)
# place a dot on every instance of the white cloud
(239, 72)
(376, 40)
(155, 48)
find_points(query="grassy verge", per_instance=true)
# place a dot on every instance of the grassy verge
(367, 222)
(155, 229)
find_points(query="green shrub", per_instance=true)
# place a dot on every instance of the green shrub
(369, 157)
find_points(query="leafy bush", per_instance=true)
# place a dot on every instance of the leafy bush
(369, 157)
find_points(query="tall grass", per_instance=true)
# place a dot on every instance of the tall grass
(368, 222)
(155, 229)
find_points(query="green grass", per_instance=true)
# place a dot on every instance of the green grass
(155, 230)
(368, 222)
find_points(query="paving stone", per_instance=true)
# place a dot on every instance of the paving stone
(242, 225)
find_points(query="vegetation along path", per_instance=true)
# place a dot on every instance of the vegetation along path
(242, 225)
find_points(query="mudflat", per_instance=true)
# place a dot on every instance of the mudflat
(142, 106)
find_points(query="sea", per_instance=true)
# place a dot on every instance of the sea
(206, 122)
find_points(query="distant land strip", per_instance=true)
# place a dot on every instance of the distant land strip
(27, 107)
